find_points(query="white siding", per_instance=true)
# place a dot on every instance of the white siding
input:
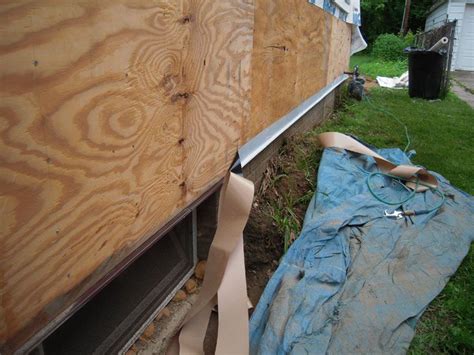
(465, 52)
(449, 11)
(438, 17)
(456, 12)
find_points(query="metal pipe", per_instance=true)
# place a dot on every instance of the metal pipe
(440, 44)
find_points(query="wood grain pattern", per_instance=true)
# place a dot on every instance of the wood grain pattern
(298, 49)
(339, 48)
(114, 115)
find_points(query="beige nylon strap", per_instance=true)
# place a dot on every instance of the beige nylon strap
(410, 172)
(224, 277)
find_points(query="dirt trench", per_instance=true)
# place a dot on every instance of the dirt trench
(277, 215)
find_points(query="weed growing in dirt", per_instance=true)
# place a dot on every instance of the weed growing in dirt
(289, 185)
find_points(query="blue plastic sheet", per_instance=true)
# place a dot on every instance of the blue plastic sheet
(356, 281)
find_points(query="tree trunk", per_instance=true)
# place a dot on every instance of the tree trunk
(406, 16)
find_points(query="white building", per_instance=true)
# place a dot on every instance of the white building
(463, 12)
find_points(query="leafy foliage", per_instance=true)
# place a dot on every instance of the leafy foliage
(409, 39)
(385, 16)
(389, 47)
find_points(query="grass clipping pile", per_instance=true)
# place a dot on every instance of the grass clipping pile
(279, 208)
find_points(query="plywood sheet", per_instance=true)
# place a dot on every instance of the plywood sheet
(298, 49)
(339, 48)
(114, 115)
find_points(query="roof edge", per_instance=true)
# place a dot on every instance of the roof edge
(436, 5)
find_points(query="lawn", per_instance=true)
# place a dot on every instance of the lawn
(442, 133)
(371, 67)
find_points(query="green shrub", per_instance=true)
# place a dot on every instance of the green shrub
(409, 39)
(389, 47)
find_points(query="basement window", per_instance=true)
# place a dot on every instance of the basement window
(116, 316)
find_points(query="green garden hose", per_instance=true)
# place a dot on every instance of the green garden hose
(388, 113)
(397, 178)
(409, 197)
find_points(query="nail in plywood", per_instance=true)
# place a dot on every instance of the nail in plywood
(298, 49)
(116, 115)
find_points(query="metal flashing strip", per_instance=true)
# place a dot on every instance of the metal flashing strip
(122, 310)
(30, 344)
(262, 140)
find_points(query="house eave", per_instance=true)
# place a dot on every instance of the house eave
(436, 5)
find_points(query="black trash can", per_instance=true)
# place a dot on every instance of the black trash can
(425, 74)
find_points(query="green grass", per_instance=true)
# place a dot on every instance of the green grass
(442, 133)
(371, 67)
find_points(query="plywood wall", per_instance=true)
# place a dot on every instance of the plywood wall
(298, 49)
(115, 115)
(339, 48)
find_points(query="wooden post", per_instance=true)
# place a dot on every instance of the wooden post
(406, 16)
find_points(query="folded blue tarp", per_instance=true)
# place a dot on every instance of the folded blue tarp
(356, 281)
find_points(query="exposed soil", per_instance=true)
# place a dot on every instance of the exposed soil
(263, 249)
(286, 188)
(369, 84)
(283, 194)
(277, 213)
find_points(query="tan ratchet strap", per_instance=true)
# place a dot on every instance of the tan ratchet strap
(224, 277)
(406, 172)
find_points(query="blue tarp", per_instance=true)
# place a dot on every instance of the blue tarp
(356, 281)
